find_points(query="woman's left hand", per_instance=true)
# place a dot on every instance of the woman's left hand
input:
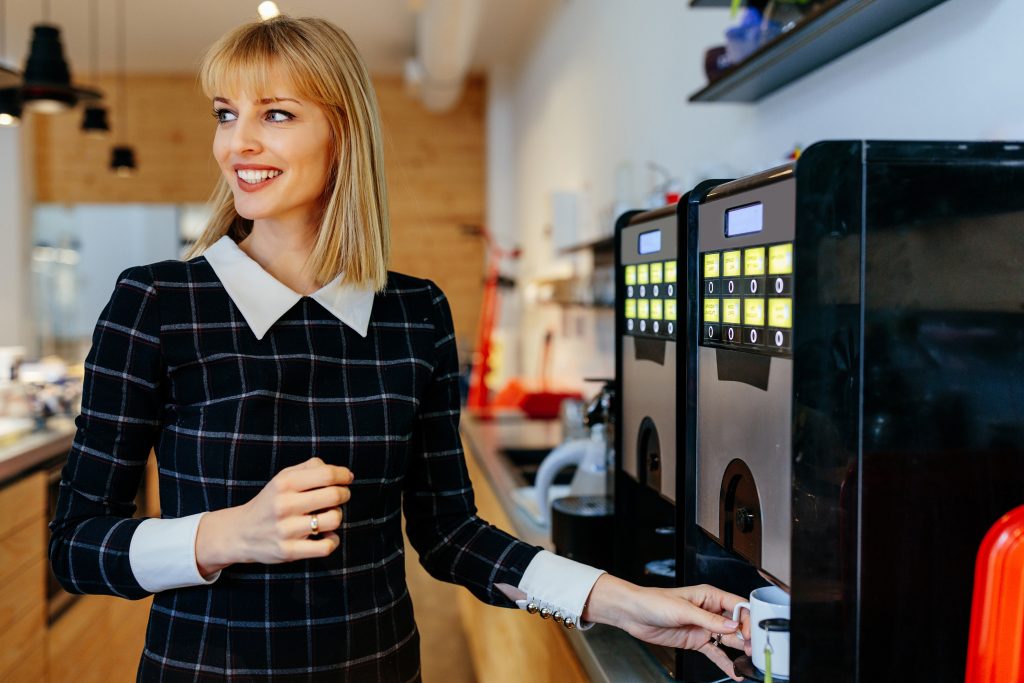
(677, 617)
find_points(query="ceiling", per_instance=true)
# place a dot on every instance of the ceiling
(170, 36)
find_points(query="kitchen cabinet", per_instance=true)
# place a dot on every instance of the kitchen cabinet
(511, 645)
(23, 580)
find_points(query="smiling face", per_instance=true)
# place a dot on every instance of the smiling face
(274, 151)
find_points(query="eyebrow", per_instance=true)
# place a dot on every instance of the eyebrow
(265, 100)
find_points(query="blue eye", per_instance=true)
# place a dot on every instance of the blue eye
(282, 112)
(219, 114)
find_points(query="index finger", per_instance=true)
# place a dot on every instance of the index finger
(713, 599)
(318, 477)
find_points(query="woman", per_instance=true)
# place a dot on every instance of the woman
(298, 395)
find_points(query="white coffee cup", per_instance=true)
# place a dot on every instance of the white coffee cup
(768, 602)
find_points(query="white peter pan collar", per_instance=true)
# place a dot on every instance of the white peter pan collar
(263, 299)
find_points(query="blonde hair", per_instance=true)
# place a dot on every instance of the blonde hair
(322, 62)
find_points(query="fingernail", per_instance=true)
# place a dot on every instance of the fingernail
(729, 623)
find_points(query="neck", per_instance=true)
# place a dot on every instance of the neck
(282, 250)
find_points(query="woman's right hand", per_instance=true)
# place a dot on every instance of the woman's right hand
(274, 526)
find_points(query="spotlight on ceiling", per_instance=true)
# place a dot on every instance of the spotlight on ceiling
(268, 10)
(10, 107)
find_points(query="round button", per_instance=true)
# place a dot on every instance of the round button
(731, 286)
(711, 331)
(778, 338)
(629, 325)
(753, 336)
(671, 290)
(753, 286)
(671, 328)
(643, 291)
(731, 333)
(654, 290)
(629, 291)
(711, 287)
(643, 325)
(656, 325)
(778, 285)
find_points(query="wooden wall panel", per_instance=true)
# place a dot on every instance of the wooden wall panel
(435, 166)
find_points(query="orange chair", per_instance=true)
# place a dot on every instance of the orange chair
(995, 651)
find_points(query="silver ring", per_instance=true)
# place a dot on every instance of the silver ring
(716, 640)
(314, 525)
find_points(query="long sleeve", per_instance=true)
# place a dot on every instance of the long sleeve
(454, 544)
(163, 554)
(559, 585)
(122, 400)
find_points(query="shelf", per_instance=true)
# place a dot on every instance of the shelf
(711, 3)
(601, 244)
(825, 33)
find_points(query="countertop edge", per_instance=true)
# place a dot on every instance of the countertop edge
(606, 653)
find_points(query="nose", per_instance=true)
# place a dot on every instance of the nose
(245, 135)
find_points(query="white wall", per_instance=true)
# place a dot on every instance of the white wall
(606, 87)
(16, 192)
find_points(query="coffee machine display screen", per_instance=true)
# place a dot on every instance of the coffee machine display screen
(744, 220)
(747, 297)
(650, 242)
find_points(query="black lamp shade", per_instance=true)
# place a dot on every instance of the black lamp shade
(10, 107)
(94, 121)
(122, 161)
(47, 86)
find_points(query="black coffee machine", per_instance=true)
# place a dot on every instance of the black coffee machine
(854, 421)
(648, 367)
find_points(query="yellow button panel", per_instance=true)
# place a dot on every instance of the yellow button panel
(656, 309)
(711, 310)
(758, 314)
(651, 298)
(753, 311)
(732, 263)
(711, 263)
(780, 313)
(753, 261)
(780, 259)
(732, 311)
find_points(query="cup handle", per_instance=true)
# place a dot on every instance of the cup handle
(736, 615)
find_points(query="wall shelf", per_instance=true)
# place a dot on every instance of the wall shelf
(827, 31)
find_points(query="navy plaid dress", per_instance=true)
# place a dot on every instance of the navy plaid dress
(173, 366)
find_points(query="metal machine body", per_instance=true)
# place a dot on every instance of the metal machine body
(649, 385)
(858, 456)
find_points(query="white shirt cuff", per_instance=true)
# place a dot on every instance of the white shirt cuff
(559, 585)
(162, 554)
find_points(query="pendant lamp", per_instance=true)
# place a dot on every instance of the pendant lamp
(46, 82)
(47, 85)
(94, 120)
(122, 156)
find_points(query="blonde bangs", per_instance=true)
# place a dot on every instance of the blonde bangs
(323, 65)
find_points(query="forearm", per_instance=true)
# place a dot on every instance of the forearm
(607, 600)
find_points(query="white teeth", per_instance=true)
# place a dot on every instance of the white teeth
(253, 176)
